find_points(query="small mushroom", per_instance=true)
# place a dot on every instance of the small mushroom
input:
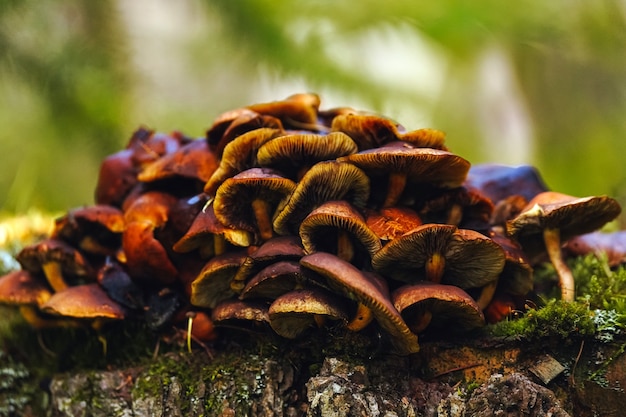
(426, 304)
(337, 227)
(58, 261)
(248, 201)
(368, 131)
(295, 154)
(552, 218)
(274, 280)
(239, 155)
(298, 111)
(247, 316)
(293, 313)
(611, 244)
(325, 181)
(361, 288)
(243, 124)
(441, 254)
(22, 289)
(94, 229)
(392, 222)
(401, 164)
(213, 283)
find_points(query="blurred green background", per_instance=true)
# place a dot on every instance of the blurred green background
(532, 81)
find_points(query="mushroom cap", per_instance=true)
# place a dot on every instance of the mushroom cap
(425, 138)
(392, 222)
(517, 275)
(612, 244)
(325, 181)
(233, 200)
(330, 217)
(357, 286)
(243, 315)
(72, 261)
(573, 216)
(294, 312)
(498, 182)
(421, 165)
(240, 154)
(449, 305)
(213, 283)
(87, 301)
(368, 131)
(94, 229)
(274, 280)
(194, 160)
(21, 287)
(296, 111)
(289, 153)
(244, 124)
(471, 259)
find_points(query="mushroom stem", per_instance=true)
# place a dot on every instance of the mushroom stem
(219, 244)
(397, 182)
(552, 240)
(455, 215)
(434, 267)
(362, 318)
(97, 325)
(345, 249)
(190, 316)
(52, 271)
(261, 214)
(421, 322)
(486, 294)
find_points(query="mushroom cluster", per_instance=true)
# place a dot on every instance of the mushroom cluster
(286, 218)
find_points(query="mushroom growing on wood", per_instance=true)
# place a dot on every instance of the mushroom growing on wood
(552, 218)
(23, 289)
(213, 284)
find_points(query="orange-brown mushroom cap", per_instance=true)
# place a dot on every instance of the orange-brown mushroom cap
(87, 301)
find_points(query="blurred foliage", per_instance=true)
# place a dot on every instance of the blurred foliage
(79, 76)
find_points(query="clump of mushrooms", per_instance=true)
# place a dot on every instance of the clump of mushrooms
(288, 219)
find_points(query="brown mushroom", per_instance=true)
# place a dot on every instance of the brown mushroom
(368, 131)
(296, 311)
(325, 181)
(239, 155)
(248, 201)
(295, 154)
(247, 316)
(337, 227)
(213, 283)
(426, 304)
(401, 164)
(298, 111)
(22, 289)
(552, 218)
(498, 182)
(611, 244)
(274, 280)
(392, 222)
(58, 261)
(441, 254)
(356, 285)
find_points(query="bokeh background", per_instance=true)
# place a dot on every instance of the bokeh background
(526, 82)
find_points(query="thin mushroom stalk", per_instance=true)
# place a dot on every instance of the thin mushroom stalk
(435, 266)
(261, 214)
(552, 240)
(54, 275)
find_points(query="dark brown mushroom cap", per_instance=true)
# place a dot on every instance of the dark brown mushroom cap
(471, 259)
(23, 288)
(498, 182)
(116, 177)
(215, 133)
(94, 229)
(356, 285)
(274, 280)
(234, 199)
(239, 155)
(244, 315)
(213, 283)
(244, 124)
(613, 244)
(295, 312)
(87, 301)
(367, 131)
(325, 181)
(392, 222)
(148, 145)
(73, 263)
(573, 216)
(320, 228)
(474, 209)
(194, 160)
(296, 111)
(449, 306)
(421, 165)
(290, 153)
